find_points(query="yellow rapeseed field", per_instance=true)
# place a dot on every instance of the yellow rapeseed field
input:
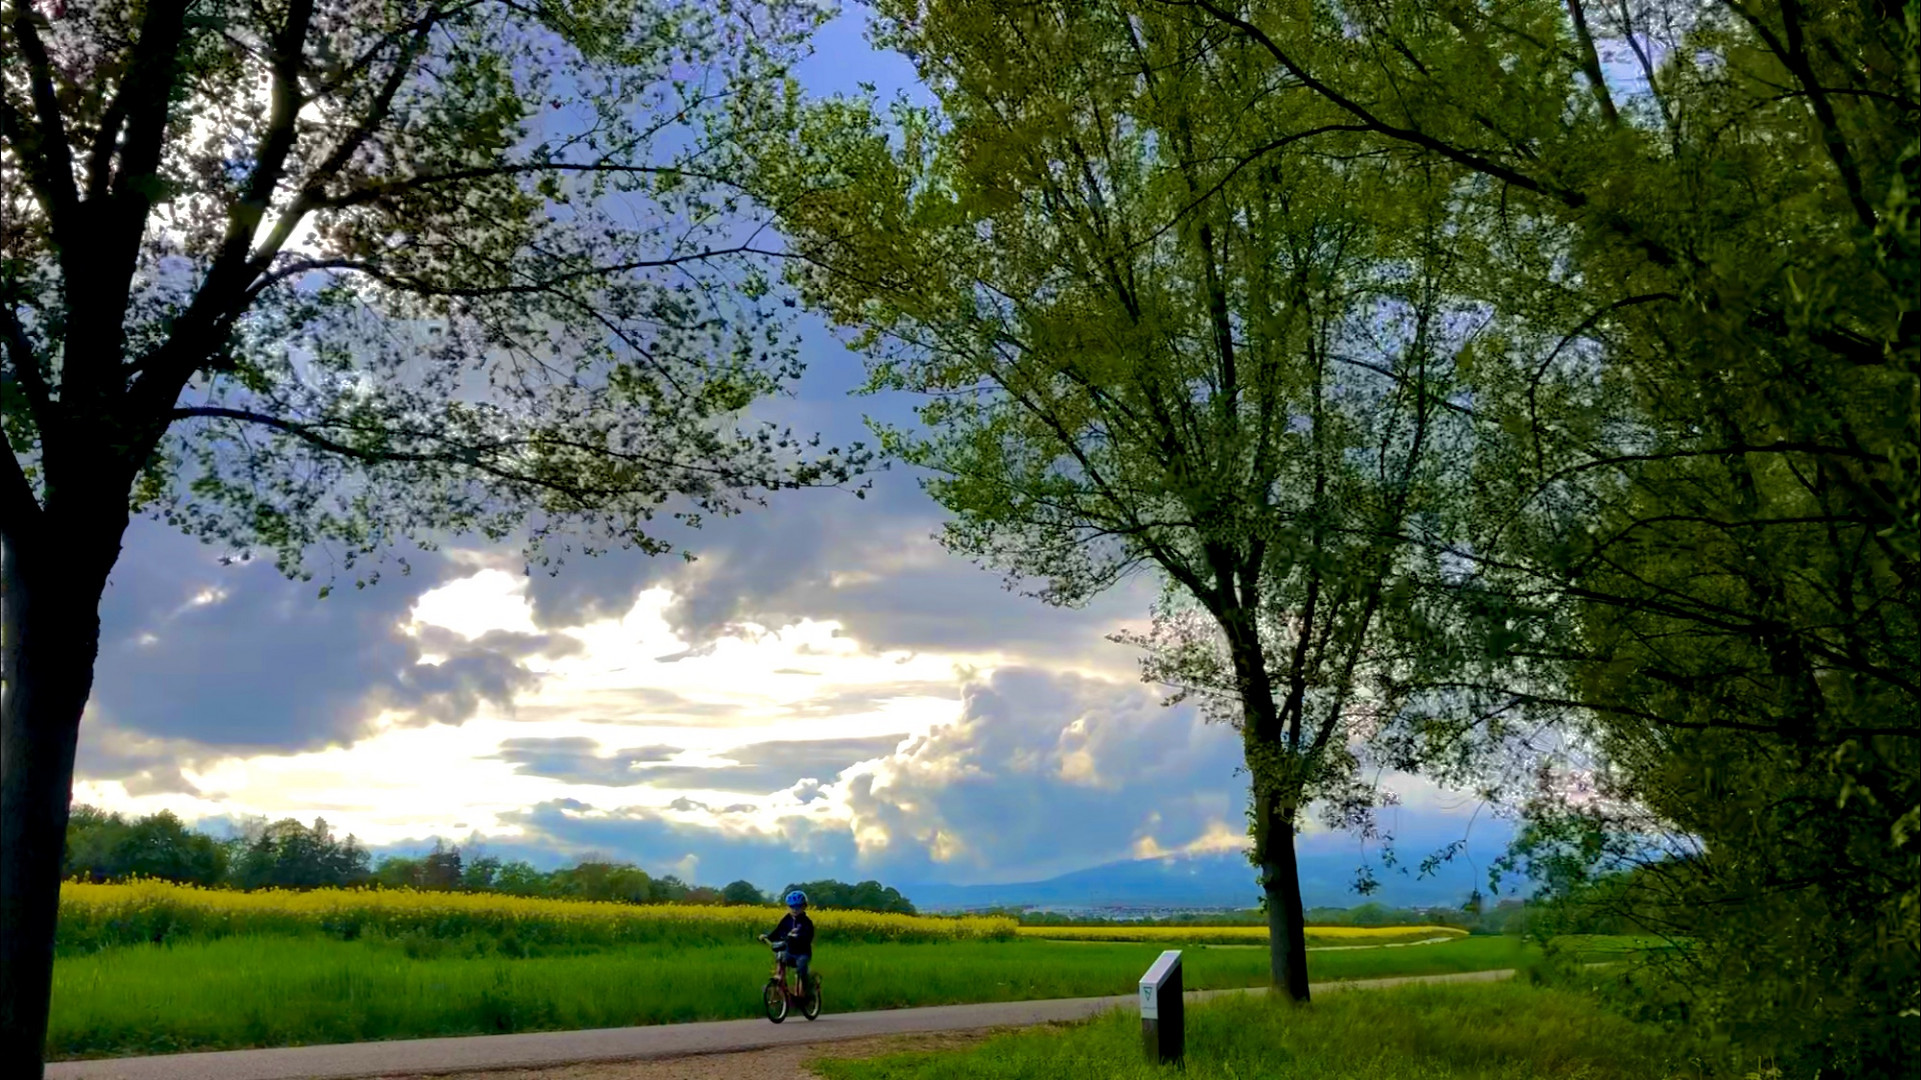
(1241, 935)
(96, 916)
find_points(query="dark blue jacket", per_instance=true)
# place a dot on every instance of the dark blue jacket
(798, 932)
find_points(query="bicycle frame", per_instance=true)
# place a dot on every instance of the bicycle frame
(781, 969)
(787, 985)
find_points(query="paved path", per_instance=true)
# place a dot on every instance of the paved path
(548, 1048)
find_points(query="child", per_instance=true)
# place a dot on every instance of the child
(796, 933)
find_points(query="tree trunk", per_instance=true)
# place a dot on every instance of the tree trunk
(1263, 739)
(1281, 884)
(51, 636)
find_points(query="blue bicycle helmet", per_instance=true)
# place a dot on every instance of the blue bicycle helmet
(796, 899)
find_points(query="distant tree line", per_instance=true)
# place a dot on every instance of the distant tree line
(1473, 916)
(288, 854)
(866, 896)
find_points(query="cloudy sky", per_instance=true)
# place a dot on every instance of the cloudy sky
(824, 692)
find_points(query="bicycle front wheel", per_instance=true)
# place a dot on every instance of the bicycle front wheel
(775, 997)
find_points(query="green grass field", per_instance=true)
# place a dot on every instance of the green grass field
(277, 990)
(1498, 1031)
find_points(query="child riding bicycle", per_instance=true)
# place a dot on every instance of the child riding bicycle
(793, 937)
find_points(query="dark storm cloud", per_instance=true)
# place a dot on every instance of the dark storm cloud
(1043, 773)
(239, 658)
(804, 553)
(871, 564)
(506, 643)
(756, 769)
(799, 849)
(577, 760)
(145, 765)
(602, 587)
(764, 768)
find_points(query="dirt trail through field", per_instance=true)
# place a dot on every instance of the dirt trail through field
(724, 1048)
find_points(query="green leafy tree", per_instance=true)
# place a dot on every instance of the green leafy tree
(1708, 271)
(599, 879)
(397, 872)
(108, 847)
(92, 835)
(289, 855)
(667, 889)
(1137, 355)
(440, 868)
(352, 272)
(521, 879)
(742, 892)
(864, 896)
(481, 874)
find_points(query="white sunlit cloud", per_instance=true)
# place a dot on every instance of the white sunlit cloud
(632, 682)
(919, 766)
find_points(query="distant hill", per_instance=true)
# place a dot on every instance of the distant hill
(1223, 879)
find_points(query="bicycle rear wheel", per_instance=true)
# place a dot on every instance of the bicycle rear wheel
(810, 1007)
(775, 998)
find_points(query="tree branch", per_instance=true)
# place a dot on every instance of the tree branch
(150, 90)
(20, 510)
(1659, 252)
(1591, 64)
(1419, 138)
(1534, 383)
(422, 287)
(1793, 56)
(276, 144)
(43, 142)
(473, 456)
(335, 161)
(25, 365)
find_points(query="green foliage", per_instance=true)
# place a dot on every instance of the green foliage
(437, 871)
(866, 896)
(1132, 353)
(1691, 543)
(480, 279)
(594, 879)
(344, 274)
(396, 872)
(286, 854)
(480, 874)
(109, 847)
(289, 855)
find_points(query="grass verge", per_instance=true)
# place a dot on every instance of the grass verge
(1497, 1031)
(272, 990)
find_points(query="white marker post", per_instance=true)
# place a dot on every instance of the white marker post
(1163, 1025)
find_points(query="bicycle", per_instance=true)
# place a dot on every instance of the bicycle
(778, 995)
